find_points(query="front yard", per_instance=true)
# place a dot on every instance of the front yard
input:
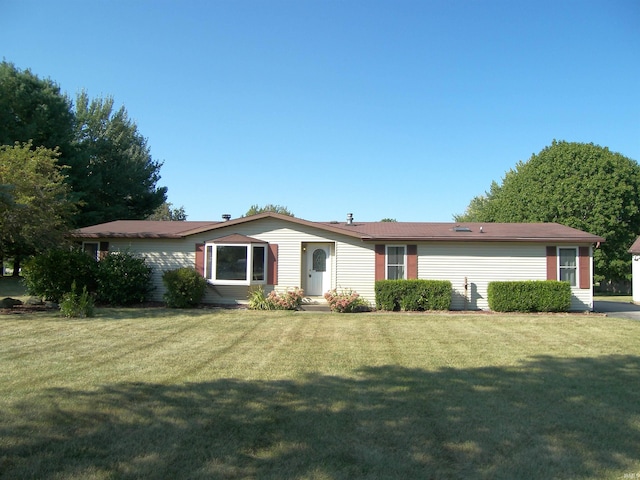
(156, 393)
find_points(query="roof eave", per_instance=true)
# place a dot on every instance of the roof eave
(488, 239)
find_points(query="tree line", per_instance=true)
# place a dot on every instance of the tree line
(66, 164)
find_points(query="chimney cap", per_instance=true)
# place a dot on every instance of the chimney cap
(349, 218)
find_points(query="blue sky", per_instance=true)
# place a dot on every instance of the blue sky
(401, 109)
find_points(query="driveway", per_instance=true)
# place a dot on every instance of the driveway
(618, 309)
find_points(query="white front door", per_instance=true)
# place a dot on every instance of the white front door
(318, 269)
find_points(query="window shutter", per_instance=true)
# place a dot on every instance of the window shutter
(200, 258)
(412, 262)
(272, 264)
(584, 267)
(552, 263)
(103, 250)
(380, 262)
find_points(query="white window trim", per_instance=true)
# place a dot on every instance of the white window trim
(249, 267)
(387, 264)
(577, 266)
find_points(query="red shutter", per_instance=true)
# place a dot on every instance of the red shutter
(584, 267)
(200, 258)
(272, 264)
(552, 263)
(412, 261)
(380, 262)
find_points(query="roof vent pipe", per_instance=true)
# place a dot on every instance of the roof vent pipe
(349, 218)
(226, 217)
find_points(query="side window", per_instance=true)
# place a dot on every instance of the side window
(258, 265)
(91, 248)
(396, 262)
(568, 265)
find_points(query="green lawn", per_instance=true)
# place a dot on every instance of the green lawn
(232, 394)
(12, 287)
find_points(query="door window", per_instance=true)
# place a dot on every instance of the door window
(319, 260)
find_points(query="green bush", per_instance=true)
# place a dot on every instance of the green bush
(74, 304)
(529, 296)
(413, 295)
(51, 274)
(185, 287)
(123, 279)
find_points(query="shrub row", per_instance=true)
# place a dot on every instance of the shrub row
(413, 295)
(120, 278)
(529, 296)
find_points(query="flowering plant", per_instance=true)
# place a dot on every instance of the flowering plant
(288, 300)
(346, 301)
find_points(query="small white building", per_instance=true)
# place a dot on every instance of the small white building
(635, 270)
(281, 252)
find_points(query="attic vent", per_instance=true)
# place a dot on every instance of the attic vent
(458, 228)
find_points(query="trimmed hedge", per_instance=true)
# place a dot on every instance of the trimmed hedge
(123, 279)
(50, 275)
(413, 295)
(529, 296)
(185, 287)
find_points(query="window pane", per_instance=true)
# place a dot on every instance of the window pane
(395, 272)
(568, 275)
(91, 249)
(257, 271)
(395, 256)
(567, 257)
(319, 260)
(207, 269)
(231, 262)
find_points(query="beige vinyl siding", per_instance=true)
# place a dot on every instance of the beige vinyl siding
(355, 268)
(352, 261)
(481, 264)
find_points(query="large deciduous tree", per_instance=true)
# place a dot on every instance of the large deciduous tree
(269, 207)
(111, 174)
(114, 173)
(34, 111)
(166, 212)
(35, 211)
(581, 185)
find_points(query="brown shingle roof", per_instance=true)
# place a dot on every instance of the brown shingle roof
(366, 231)
(413, 231)
(635, 248)
(142, 229)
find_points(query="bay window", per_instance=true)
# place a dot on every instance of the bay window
(235, 264)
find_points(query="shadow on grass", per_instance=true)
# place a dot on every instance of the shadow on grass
(547, 418)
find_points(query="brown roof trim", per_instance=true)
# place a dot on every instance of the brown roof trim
(287, 218)
(142, 229)
(365, 231)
